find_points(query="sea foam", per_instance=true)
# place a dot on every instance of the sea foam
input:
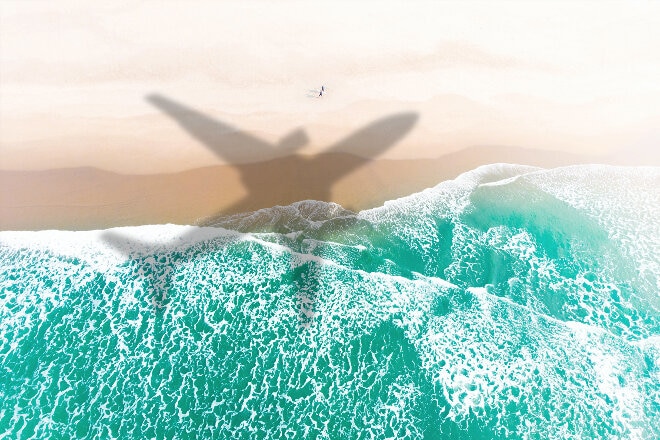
(510, 302)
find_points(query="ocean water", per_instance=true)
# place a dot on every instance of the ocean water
(512, 302)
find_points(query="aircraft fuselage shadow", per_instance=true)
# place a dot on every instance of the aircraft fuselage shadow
(301, 178)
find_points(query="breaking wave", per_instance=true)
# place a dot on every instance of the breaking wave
(511, 302)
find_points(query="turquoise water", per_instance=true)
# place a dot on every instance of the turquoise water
(513, 302)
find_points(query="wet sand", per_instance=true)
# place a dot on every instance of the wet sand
(89, 198)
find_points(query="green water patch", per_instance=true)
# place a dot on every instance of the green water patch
(557, 227)
(521, 243)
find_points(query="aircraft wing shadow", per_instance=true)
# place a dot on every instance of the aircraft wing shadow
(222, 139)
(371, 141)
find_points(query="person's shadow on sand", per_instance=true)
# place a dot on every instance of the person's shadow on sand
(235, 147)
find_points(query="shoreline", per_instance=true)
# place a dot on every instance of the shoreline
(89, 198)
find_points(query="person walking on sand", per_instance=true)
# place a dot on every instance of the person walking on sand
(321, 92)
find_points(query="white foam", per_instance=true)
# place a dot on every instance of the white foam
(625, 201)
(134, 241)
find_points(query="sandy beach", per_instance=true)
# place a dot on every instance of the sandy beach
(237, 122)
(89, 198)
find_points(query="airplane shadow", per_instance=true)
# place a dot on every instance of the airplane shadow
(234, 147)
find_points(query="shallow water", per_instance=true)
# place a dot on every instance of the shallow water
(511, 302)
